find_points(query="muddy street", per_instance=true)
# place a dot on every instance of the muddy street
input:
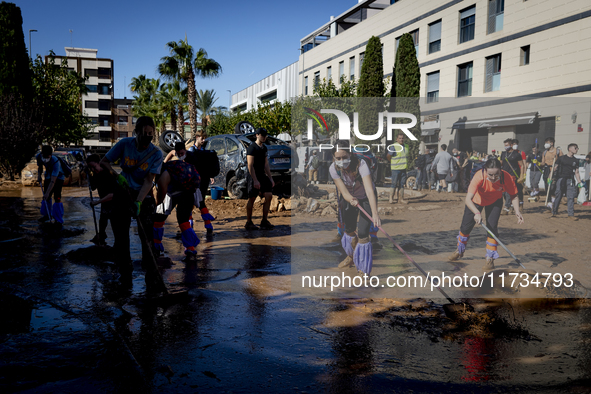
(69, 326)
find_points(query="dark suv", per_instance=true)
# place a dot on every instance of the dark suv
(231, 150)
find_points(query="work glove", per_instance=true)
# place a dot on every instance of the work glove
(580, 184)
(121, 181)
(136, 208)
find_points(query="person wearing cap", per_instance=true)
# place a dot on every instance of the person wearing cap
(259, 179)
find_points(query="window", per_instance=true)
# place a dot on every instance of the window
(415, 40)
(93, 120)
(316, 78)
(104, 89)
(104, 105)
(122, 135)
(90, 72)
(122, 120)
(104, 120)
(92, 88)
(465, 80)
(105, 136)
(435, 37)
(269, 97)
(104, 73)
(328, 73)
(90, 104)
(524, 58)
(232, 146)
(242, 107)
(218, 145)
(341, 70)
(361, 57)
(493, 73)
(467, 22)
(352, 68)
(433, 87)
(306, 86)
(133, 120)
(496, 11)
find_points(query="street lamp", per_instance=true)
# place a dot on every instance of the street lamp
(230, 99)
(30, 50)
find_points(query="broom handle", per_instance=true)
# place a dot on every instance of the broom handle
(407, 256)
(503, 245)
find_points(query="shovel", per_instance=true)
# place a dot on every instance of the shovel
(43, 201)
(453, 310)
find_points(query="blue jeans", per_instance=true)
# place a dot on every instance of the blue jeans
(398, 179)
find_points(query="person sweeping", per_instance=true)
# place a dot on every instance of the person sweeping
(352, 177)
(486, 192)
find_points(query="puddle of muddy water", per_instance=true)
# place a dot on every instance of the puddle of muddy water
(244, 329)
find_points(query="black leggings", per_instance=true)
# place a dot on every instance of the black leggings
(492, 213)
(350, 214)
(56, 192)
(203, 187)
(184, 207)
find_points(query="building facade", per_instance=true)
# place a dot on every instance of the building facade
(123, 119)
(280, 86)
(490, 69)
(97, 104)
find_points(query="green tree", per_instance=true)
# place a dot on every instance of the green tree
(205, 101)
(58, 93)
(408, 87)
(184, 63)
(15, 73)
(371, 78)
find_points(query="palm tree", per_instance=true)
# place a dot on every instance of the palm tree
(180, 95)
(205, 101)
(148, 100)
(183, 63)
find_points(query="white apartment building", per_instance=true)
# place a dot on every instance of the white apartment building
(280, 86)
(97, 104)
(490, 69)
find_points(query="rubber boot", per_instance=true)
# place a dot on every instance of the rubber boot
(489, 265)
(189, 238)
(158, 233)
(362, 257)
(57, 212)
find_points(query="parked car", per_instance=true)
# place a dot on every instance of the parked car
(29, 173)
(80, 155)
(231, 151)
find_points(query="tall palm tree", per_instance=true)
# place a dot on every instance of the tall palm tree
(180, 94)
(147, 99)
(168, 103)
(183, 63)
(205, 101)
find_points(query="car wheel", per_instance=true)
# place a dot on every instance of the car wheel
(235, 191)
(168, 139)
(411, 182)
(244, 128)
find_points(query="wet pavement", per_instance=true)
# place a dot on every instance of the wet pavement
(68, 326)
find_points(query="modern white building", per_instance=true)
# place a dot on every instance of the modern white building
(280, 86)
(490, 69)
(97, 104)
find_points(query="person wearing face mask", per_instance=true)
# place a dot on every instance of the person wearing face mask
(550, 154)
(486, 192)
(511, 160)
(140, 162)
(398, 163)
(352, 178)
(176, 189)
(54, 180)
(569, 179)
(259, 179)
(535, 171)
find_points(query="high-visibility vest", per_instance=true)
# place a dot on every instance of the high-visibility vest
(398, 162)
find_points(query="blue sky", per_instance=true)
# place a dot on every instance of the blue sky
(250, 39)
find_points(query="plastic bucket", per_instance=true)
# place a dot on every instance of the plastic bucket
(216, 192)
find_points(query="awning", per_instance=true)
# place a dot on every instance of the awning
(425, 132)
(509, 120)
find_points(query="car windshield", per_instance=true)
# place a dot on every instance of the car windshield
(269, 141)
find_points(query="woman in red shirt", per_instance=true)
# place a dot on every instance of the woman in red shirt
(486, 191)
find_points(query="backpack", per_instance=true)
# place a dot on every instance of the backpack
(315, 162)
(65, 167)
(205, 161)
(184, 175)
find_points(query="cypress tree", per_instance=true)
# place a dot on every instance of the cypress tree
(15, 73)
(371, 78)
(407, 78)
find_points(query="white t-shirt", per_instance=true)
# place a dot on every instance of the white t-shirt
(354, 187)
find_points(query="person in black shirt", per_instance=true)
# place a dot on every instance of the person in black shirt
(567, 168)
(101, 180)
(535, 172)
(511, 162)
(259, 179)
